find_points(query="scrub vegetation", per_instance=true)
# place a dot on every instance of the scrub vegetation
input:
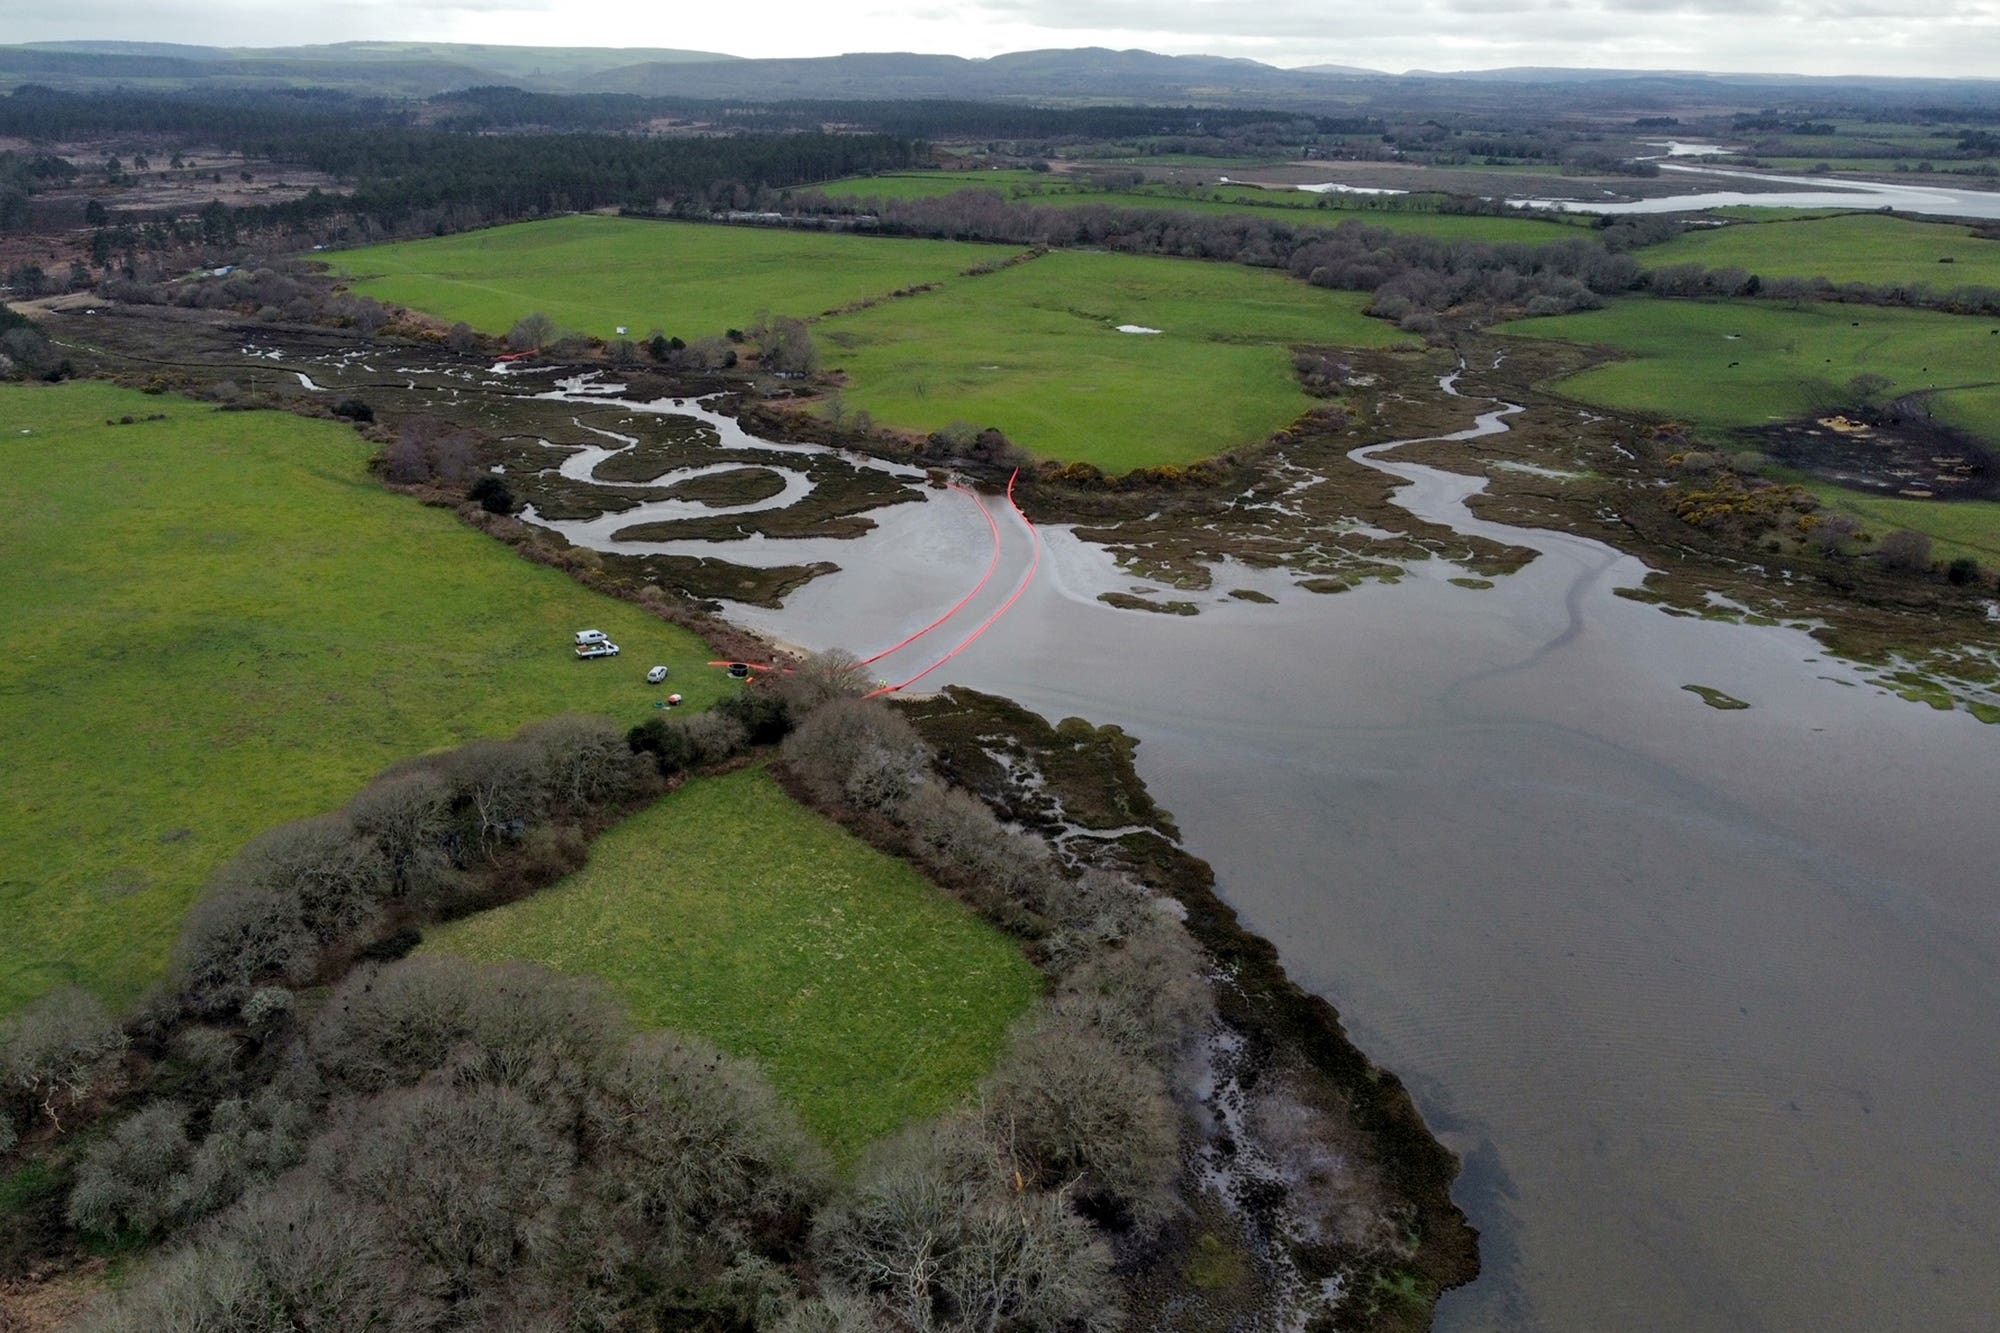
(594, 274)
(217, 622)
(433, 1143)
(730, 911)
(1967, 529)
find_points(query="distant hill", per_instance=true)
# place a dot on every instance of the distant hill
(410, 69)
(1085, 75)
(1079, 77)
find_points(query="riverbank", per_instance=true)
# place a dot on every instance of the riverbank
(1402, 1242)
(1077, 785)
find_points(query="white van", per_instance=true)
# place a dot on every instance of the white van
(586, 637)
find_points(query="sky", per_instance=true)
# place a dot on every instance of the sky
(1879, 37)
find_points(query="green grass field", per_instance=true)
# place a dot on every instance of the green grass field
(217, 623)
(1851, 247)
(1298, 208)
(1035, 351)
(729, 910)
(1964, 527)
(593, 274)
(1721, 365)
(936, 184)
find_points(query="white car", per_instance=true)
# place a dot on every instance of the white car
(656, 675)
(604, 648)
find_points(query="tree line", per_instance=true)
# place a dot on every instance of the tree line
(312, 1129)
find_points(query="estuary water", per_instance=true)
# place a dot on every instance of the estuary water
(1705, 999)
(1815, 192)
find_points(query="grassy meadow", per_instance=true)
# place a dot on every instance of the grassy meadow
(1721, 365)
(593, 274)
(218, 622)
(1848, 247)
(729, 910)
(937, 184)
(1035, 350)
(1960, 528)
(1296, 207)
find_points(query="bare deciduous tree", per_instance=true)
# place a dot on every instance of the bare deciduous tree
(935, 1232)
(470, 1179)
(54, 1053)
(126, 1180)
(514, 1023)
(1905, 552)
(408, 816)
(585, 760)
(1075, 1106)
(699, 1138)
(532, 331)
(859, 753)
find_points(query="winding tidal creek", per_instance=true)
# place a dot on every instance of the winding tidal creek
(1706, 999)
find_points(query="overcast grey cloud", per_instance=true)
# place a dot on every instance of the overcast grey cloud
(1901, 37)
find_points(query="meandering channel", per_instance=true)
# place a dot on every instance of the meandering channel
(1704, 998)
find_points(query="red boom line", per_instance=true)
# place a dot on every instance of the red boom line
(987, 624)
(977, 588)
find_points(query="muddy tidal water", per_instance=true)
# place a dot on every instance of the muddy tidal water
(1708, 1001)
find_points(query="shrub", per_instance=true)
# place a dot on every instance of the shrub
(267, 1007)
(491, 494)
(858, 753)
(126, 1181)
(57, 1052)
(667, 742)
(298, 1257)
(698, 1139)
(237, 936)
(531, 332)
(935, 1234)
(269, 913)
(1905, 552)
(1147, 993)
(1830, 533)
(512, 1023)
(1963, 571)
(1076, 1106)
(468, 1182)
(336, 873)
(503, 784)
(426, 449)
(247, 1143)
(408, 817)
(713, 737)
(585, 761)
(1009, 875)
(820, 678)
(835, 1312)
(765, 714)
